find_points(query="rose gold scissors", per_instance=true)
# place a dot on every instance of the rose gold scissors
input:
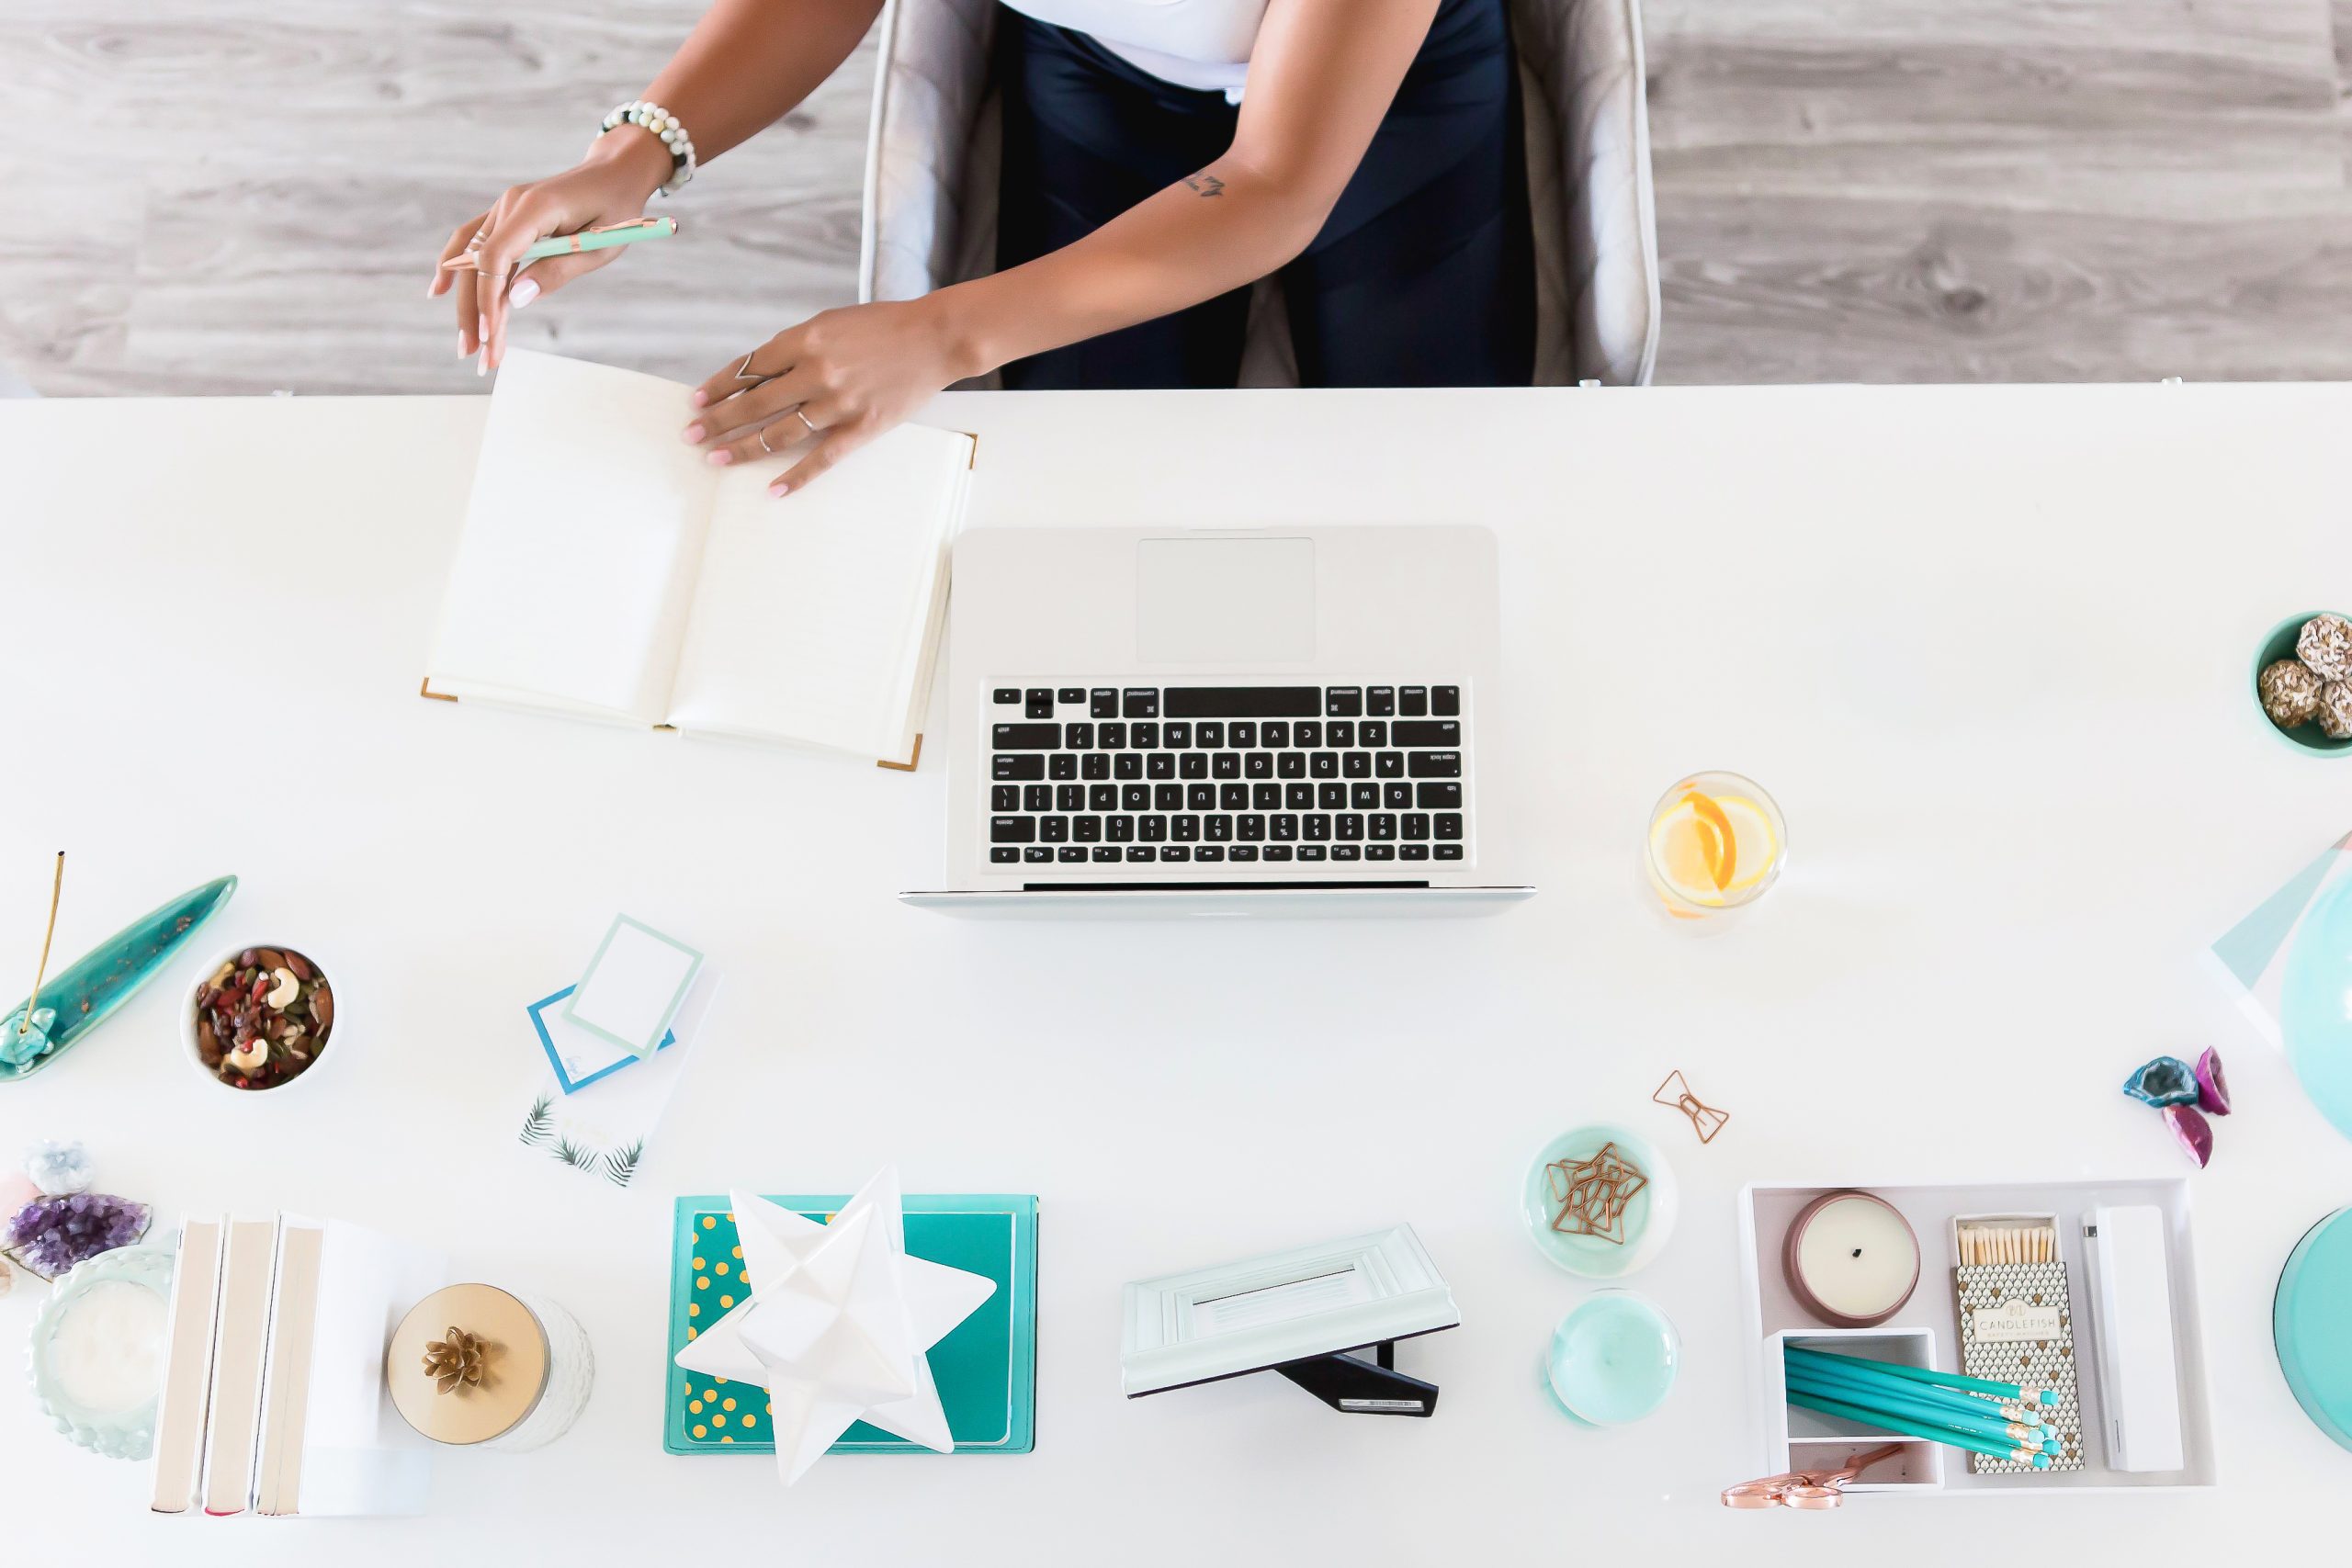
(1804, 1488)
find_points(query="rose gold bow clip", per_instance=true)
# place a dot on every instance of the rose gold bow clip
(1705, 1120)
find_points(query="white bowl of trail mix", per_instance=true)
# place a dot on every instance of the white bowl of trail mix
(261, 1017)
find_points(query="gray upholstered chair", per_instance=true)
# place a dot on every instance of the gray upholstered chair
(931, 160)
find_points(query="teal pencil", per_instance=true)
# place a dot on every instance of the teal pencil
(1929, 1375)
(1931, 1432)
(606, 238)
(1987, 1425)
(1925, 1394)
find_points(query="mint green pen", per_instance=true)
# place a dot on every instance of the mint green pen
(612, 234)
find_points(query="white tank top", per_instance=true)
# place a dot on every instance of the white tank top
(1203, 44)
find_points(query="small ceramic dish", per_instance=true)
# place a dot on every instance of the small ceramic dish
(1648, 1219)
(127, 1429)
(2309, 739)
(334, 1038)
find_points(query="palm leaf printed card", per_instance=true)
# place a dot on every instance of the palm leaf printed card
(603, 1126)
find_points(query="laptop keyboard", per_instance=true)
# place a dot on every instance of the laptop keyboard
(1254, 776)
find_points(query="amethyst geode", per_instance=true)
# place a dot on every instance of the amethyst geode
(52, 1233)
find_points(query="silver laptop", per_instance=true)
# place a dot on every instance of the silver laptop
(1223, 721)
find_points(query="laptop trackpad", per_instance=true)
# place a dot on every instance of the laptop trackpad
(1224, 601)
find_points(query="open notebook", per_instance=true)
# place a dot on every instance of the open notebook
(607, 570)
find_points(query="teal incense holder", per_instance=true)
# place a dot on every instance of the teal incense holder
(83, 996)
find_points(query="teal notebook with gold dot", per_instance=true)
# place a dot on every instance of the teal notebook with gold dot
(986, 1369)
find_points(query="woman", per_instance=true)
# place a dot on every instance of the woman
(1374, 161)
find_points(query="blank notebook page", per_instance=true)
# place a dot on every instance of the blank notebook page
(809, 621)
(581, 542)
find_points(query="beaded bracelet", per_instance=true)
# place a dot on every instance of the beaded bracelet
(663, 124)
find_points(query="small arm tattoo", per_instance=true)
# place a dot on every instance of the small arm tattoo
(1206, 185)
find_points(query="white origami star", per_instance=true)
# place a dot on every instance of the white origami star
(838, 1322)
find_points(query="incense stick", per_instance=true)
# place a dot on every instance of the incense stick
(41, 973)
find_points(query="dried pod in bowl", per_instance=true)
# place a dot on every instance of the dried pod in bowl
(2290, 691)
(2325, 643)
(2194, 1133)
(2336, 710)
(2212, 1087)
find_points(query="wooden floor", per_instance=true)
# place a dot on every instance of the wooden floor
(248, 194)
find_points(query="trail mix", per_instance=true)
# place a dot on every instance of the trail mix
(263, 1018)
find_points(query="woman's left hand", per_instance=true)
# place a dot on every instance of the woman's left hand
(848, 374)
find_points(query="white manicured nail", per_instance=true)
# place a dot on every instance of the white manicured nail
(526, 289)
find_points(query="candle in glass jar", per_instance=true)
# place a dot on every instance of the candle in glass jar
(107, 1351)
(1851, 1260)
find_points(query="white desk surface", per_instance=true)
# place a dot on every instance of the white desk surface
(1987, 646)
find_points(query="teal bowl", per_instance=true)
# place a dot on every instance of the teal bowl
(2279, 645)
(1613, 1358)
(2307, 1320)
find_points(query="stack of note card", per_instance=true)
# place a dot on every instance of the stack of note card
(610, 1048)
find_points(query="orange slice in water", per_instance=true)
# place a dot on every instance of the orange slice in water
(1723, 846)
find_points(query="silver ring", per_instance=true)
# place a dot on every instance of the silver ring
(801, 414)
(763, 442)
(744, 372)
(476, 242)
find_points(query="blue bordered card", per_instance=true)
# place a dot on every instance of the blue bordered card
(583, 1059)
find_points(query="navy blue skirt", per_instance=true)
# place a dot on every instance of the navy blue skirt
(1422, 277)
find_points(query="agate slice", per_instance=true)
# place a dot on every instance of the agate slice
(2166, 1081)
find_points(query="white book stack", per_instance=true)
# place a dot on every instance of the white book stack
(274, 1397)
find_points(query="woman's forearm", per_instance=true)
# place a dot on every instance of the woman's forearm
(1221, 228)
(750, 62)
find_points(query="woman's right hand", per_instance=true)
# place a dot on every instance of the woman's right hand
(612, 185)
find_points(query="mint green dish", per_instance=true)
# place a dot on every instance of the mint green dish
(2279, 645)
(2307, 1319)
(128, 1432)
(1613, 1360)
(1648, 1217)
